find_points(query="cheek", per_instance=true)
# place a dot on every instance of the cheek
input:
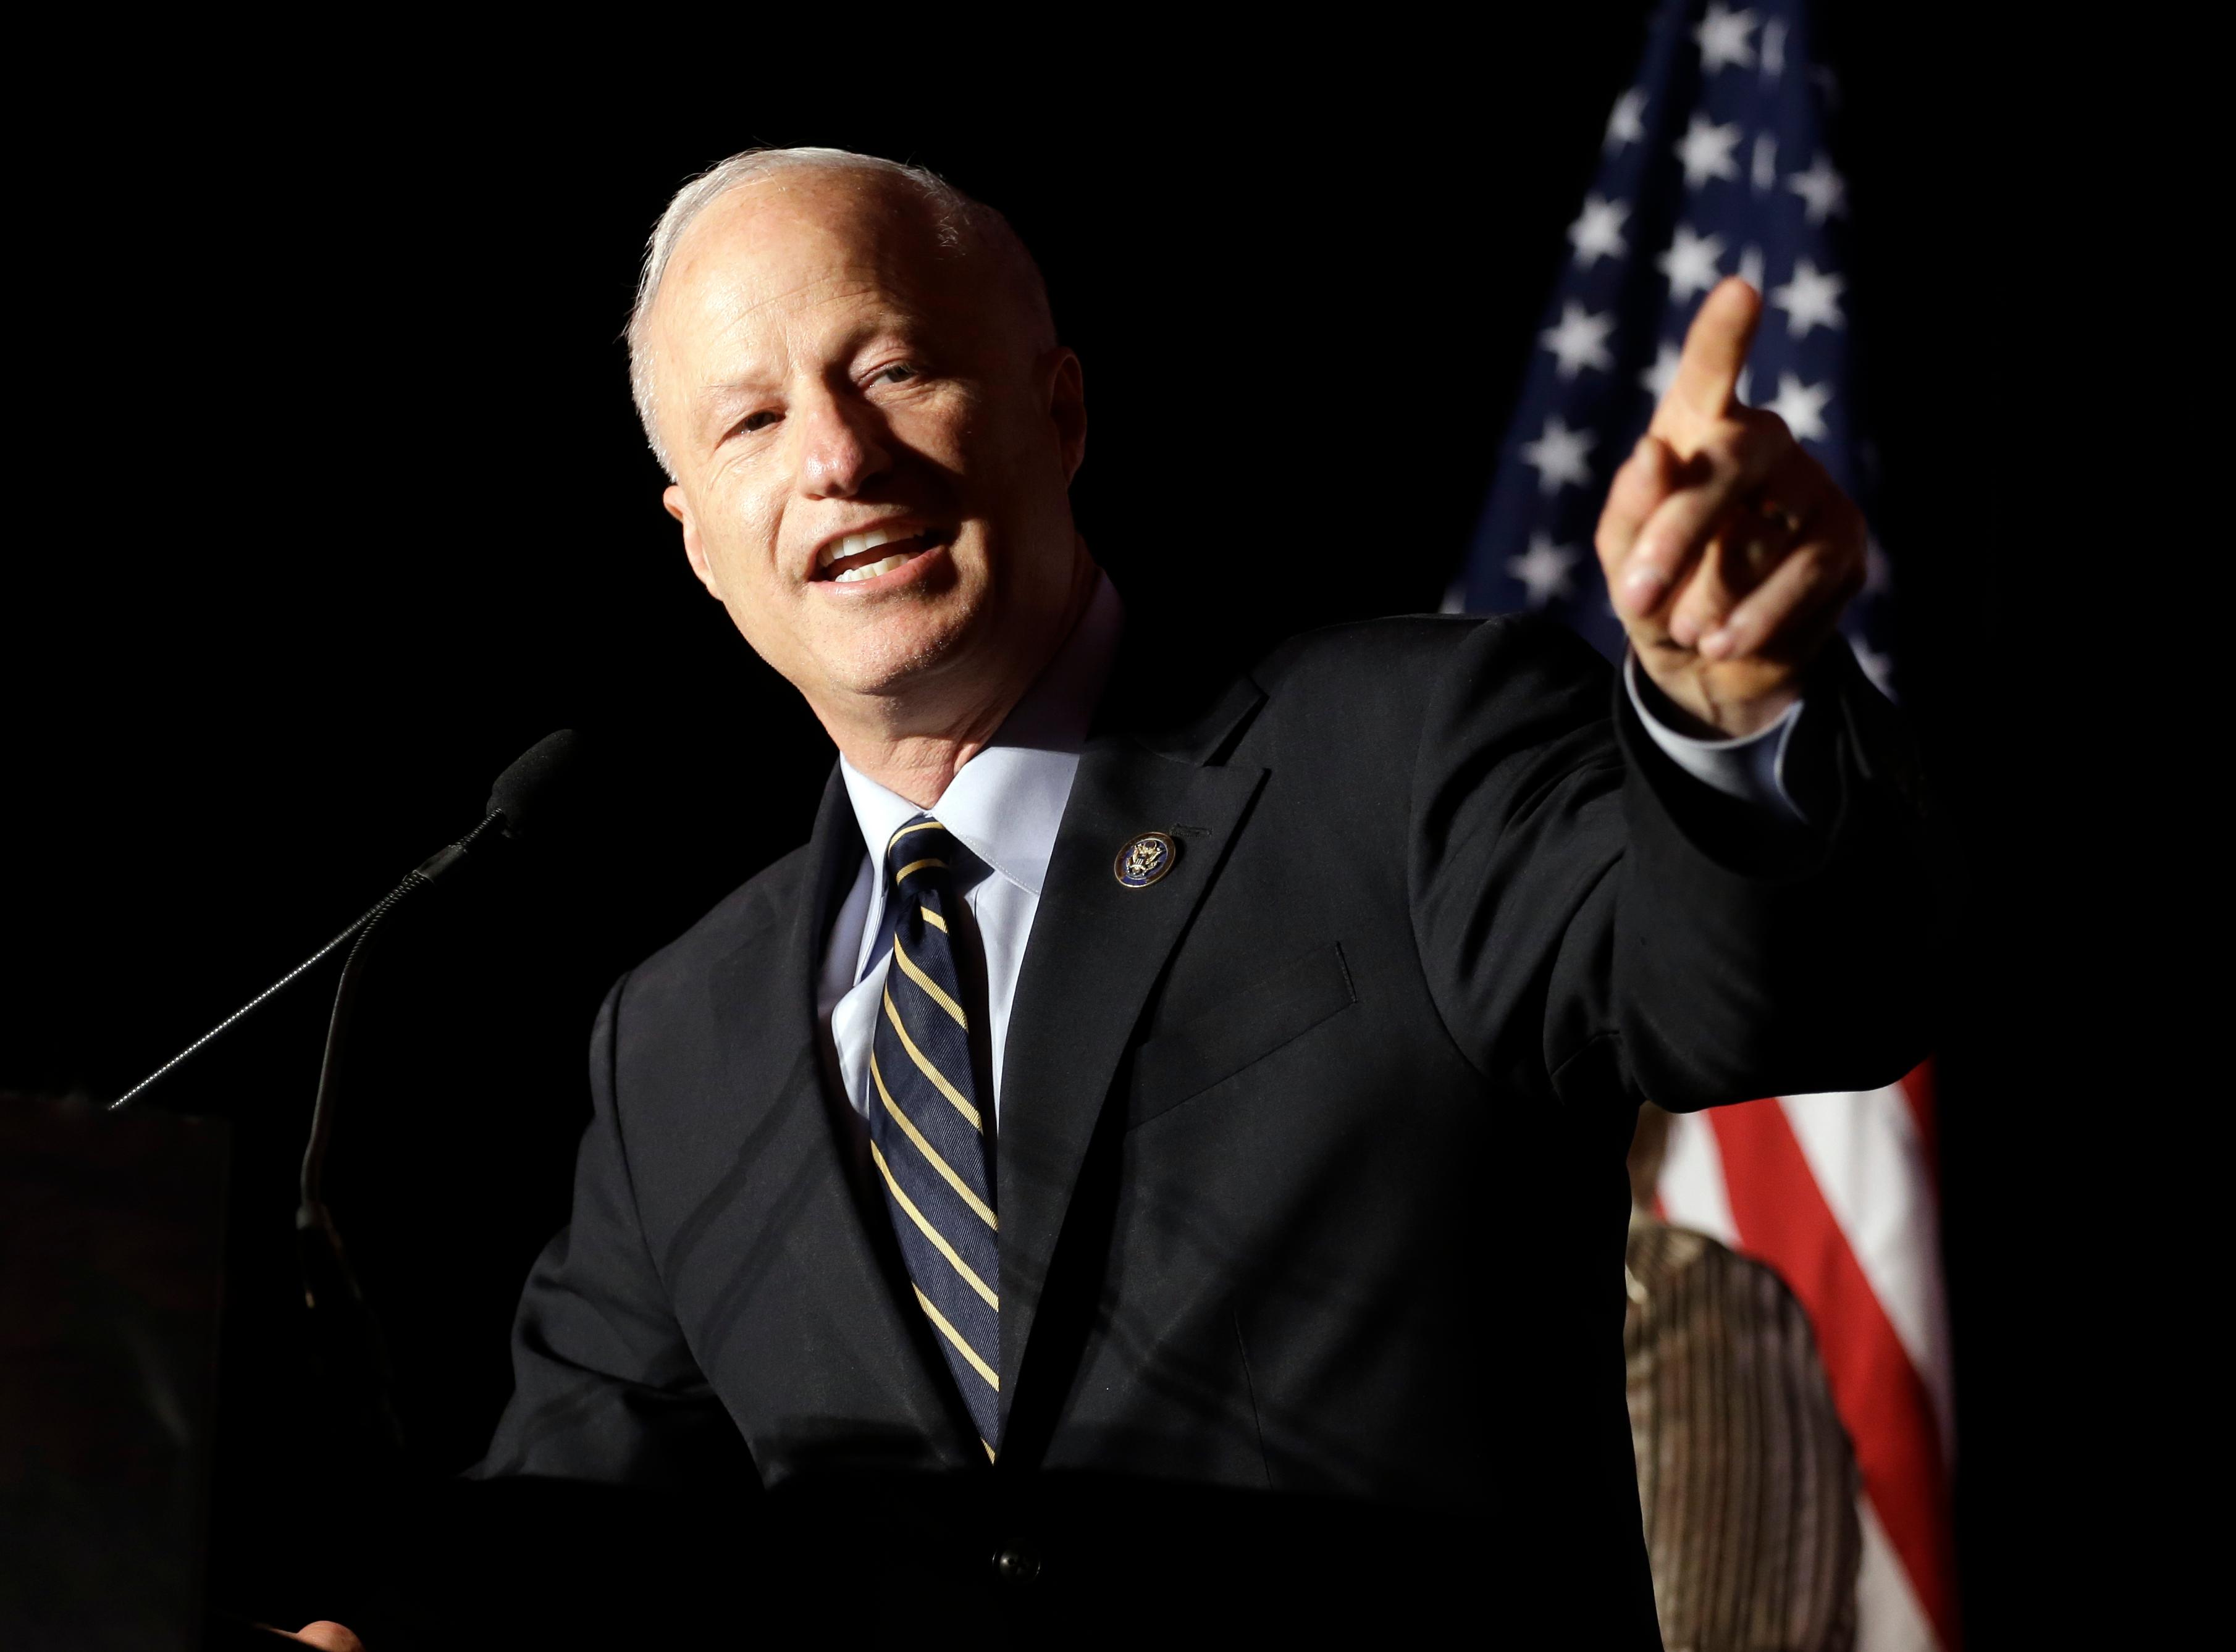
(740, 529)
(956, 430)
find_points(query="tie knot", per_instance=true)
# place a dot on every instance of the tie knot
(924, 846)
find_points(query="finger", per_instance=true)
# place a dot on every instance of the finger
(1716, 345)
(1790, 613)
(329, 1635)
(1642, 482)
(1711, 588)
(1749, 542)
(1729, 467)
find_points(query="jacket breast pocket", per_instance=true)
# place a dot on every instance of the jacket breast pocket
(1184, 1061)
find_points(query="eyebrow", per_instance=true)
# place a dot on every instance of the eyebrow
(727, 389)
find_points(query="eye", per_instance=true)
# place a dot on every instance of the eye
(898, 373)
(753, 422)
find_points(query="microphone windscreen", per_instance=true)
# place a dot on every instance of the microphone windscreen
(526, 789)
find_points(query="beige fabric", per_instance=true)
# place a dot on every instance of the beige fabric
(1746, 1478)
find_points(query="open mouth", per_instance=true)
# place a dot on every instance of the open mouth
(875, 551)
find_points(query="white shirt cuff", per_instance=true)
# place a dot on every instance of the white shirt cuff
(1751, 768)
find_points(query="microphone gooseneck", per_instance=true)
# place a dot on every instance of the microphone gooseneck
(312, 1211)
(357, 1351)
(255, 1003)
(523, 791)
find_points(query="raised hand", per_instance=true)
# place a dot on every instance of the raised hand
(1729, 552)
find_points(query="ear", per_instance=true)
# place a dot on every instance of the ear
(1067, 405)
(679, 507)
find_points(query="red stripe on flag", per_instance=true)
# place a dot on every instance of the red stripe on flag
(1783, 1219)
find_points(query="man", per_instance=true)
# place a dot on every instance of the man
(1149, 1076)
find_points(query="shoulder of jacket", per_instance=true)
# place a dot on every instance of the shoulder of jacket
(766, 901)
(1406, 648)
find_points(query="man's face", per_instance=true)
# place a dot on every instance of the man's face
(873, 461)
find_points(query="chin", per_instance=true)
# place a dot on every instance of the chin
(901, 648)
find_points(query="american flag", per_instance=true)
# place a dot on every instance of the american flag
(1716, 162)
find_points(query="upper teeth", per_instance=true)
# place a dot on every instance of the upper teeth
(855, 544)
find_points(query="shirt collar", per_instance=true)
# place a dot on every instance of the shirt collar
(1005, 805)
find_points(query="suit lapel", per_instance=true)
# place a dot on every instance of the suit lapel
(1096, 950)
(811, 1198)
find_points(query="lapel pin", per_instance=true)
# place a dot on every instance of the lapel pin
(1145, 860)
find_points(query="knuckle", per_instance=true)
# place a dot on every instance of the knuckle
(1727, 448)
(1769, 429)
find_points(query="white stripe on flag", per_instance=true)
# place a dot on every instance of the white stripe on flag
(1864, 1152)
(1888, 1616)
(1692, 1184)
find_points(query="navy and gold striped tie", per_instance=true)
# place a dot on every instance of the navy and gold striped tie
(928, 1136)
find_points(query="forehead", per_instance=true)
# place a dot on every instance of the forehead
(780, 248)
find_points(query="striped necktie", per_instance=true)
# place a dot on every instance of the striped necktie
(927, 1135)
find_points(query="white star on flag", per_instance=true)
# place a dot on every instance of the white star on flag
(1802, 407)
(1579, 340)
(1811, 299)
(1824, 190)
(1659, 378)
(1722, 38)
(1597, 233)
(1557, 457)
(1543, 569)
(1625, 126)
(1706, 150)
(1693, 262)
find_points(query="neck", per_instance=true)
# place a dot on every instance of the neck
(915, 750)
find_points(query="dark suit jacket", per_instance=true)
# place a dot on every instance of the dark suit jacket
(1310, 1164)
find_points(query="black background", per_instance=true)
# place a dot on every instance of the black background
(336, 502)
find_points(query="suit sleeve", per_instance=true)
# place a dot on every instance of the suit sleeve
(1596, 922)
(604, 1387)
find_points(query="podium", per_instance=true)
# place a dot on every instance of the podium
(111, 1254)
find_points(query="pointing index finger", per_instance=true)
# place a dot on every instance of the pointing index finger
(1716, 345)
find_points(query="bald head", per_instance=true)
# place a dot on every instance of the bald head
(850, 373)
(937, 235)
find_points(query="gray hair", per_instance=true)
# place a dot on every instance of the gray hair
(960, 227)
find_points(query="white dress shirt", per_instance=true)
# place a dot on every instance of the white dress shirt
(1004, 806)
(1751, 768)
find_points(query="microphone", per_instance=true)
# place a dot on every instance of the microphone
(356, 1351)
(527, 789)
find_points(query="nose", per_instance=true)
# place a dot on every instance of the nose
(840, 452)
